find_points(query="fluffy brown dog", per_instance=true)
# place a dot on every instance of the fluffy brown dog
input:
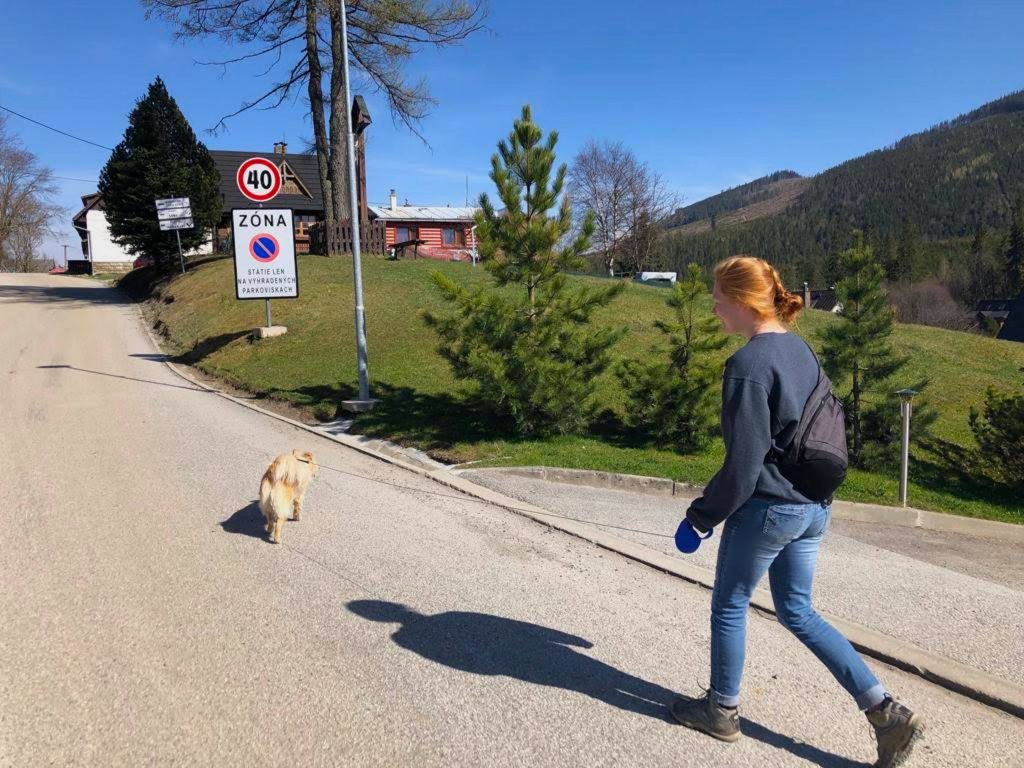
(282, 488)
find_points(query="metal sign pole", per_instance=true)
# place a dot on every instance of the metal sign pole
(177, 234)
(268, 314)
(361, 354)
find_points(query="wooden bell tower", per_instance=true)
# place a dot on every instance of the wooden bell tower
(360, 120)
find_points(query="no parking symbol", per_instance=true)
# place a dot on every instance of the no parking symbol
(264, 247)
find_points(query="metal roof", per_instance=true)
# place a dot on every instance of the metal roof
(422, 213)
(994, 305)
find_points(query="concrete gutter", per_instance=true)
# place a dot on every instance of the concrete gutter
(906, 517)
(973, 683)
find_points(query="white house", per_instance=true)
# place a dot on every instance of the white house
(99, 252)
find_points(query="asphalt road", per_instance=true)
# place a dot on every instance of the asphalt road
(148, 622)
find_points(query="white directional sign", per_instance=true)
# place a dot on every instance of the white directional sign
(169, 224)
(264, 241)
(183, 212)
(258, 179)
(174, 213)
(172, 202)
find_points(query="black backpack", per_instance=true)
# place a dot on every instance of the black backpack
(816, 461)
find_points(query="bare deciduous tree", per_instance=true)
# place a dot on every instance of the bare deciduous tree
(628, 201)
(598, 183)
(929, 303)
(649, 201)
(306, 35)
(27, 206)
(24, 250)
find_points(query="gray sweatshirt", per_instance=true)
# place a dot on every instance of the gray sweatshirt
(764, 390)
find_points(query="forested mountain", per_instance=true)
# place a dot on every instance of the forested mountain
(936, 185)
(746, 195)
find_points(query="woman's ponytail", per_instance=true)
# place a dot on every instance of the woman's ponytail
(787, 305)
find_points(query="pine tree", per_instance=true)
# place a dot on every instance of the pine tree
(674, 398)
(908, 253)
(891, 258)
(999, 431)
(530, 348)
(1014, 258)
(978, 244)
(159, 157)
(858, 349)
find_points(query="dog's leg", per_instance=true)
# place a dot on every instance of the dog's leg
(275, 529)
(297, 508)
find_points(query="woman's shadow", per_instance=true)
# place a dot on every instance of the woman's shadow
(492, 645)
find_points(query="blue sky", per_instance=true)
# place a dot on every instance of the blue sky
(711, 94)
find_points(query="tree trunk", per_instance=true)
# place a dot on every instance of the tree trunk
(339, 121)
(856, 412)
(316, 108)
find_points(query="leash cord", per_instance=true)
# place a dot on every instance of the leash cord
(493, 503)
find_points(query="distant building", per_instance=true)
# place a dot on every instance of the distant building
(446, 233)
(1013, 325)
(99, 252)
(994, 310)
(300, 191)
(824, 299)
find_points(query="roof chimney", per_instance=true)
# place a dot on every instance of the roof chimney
(394, 201)
(280, 148)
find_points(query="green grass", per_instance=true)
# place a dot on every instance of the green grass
(423, 405)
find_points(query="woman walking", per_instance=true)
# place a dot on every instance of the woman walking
(769, 525)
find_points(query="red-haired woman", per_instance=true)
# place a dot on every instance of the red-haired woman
(769, 526)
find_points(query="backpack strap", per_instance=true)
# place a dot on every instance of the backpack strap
(777, 453)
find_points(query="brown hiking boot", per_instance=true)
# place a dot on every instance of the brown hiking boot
(897, 730)
(705, 715)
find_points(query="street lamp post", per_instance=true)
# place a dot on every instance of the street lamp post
(906, 406)
(364, 403)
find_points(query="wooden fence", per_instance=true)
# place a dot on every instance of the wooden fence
(372, 240)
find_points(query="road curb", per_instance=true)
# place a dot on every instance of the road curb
(843, 510)
(933, 667)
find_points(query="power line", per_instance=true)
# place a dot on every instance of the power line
(69, 178)
(55, 130)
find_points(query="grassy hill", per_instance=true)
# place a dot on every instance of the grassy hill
(314, 366)
(944, 182)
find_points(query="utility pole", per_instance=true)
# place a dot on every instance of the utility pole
(364, 403)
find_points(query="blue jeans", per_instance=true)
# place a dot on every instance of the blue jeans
(782, 539)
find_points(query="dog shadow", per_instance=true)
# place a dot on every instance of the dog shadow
(248, 521)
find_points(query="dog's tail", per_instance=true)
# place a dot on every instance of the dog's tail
(283, 470)
(275, 499)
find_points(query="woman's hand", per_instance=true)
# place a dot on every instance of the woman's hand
(688, 539)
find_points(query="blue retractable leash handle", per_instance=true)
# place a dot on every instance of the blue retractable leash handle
(688, 539)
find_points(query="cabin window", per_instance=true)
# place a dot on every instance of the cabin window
(453, 236)
(404, 234)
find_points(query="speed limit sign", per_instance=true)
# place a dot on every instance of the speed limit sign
(259, 179)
